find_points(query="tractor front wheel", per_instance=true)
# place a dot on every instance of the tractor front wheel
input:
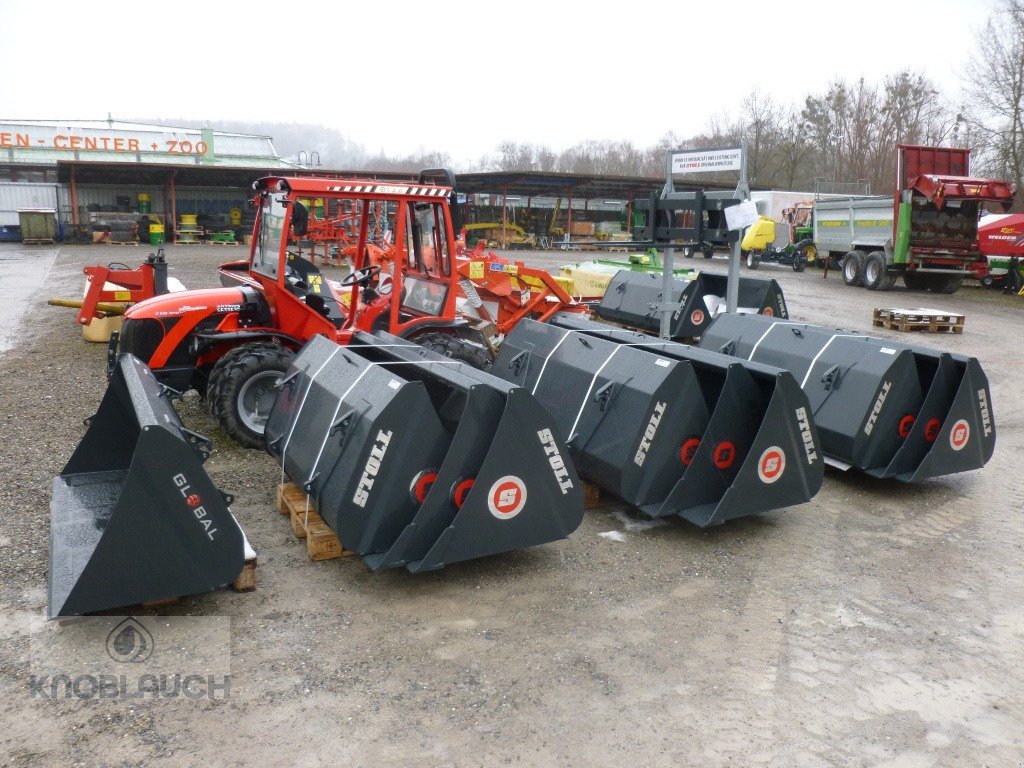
(753, 259)
(456, 348)
(243, 387)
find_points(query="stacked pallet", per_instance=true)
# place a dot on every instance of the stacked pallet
(921, 319)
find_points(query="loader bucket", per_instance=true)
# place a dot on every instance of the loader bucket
(134, 516)
(885, 407)
(960, 401)
(418, 460)
(354, 436)
(742, 408)
(506, 482)
(632, 299)
(627, 414)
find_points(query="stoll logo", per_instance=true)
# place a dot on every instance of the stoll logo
(986, 414)
(649, 433)
(878, 407)
(118, 658)
(804, 422)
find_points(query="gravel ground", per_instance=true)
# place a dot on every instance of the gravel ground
(877, 625)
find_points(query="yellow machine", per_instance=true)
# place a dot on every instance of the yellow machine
(759, 235)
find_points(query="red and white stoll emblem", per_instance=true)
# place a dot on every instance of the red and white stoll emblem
(697, 316)
(507, 497)
(771, 465)
(959, 435)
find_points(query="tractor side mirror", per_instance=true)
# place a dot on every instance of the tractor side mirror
(300, 218)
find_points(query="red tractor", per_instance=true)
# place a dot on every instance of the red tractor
(233, 343)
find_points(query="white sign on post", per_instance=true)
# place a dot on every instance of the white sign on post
(707, 160)
(741, 215)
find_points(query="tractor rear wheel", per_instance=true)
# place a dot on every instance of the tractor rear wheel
(242, 389)
(457, 349)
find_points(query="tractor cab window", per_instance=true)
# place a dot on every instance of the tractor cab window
(268, 240)
(427, 240)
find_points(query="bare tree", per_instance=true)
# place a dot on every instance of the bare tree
(995, 89)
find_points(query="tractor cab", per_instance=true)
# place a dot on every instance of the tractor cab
(402, 246)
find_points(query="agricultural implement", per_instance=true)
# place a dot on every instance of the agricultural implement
(669, 429)
(111, 288)
(417, 460)
(632, 299)
(134, 516)
(504, 292)
(883, 407)
(758, 246)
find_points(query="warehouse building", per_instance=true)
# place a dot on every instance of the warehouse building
(100, 177)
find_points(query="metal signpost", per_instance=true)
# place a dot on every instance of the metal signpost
(738, 216)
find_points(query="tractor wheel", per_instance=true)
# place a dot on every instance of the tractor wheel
(687, 251)
(242, 389)
(457, 349)
(753, 259)
(853, 269)
(709, 252)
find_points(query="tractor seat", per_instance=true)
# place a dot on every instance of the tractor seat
(317, 294)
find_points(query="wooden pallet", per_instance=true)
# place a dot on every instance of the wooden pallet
(244, 582)
(116, 242)
(928, 320)
(591, 495)
(321, 542)
(223, 242)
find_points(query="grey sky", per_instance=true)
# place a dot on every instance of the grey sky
(462, 77)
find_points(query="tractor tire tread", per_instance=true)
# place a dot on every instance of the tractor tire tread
(457, 349)
(227, 377)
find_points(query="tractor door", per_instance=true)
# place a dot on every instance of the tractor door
(424, 283)
(299, 299)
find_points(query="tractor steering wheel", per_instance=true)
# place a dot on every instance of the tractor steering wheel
(361, 277)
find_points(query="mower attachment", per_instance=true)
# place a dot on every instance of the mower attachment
(632, 299)
(884, 407)
(452, 463)
(134, 516)
(690, 434)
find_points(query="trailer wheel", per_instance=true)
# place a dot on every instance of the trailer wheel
(753, 259)
(242, 390)
(687, 252)
(876, 277)
(709, 252)
(988, 281)
(457, 349)
(806, 255)
(853, 268)
(915, 282)
(944, 284)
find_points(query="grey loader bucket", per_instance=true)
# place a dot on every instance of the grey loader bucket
(667, 428)
(417, 460)
(632, 299)
(134, 516)
(884, 407)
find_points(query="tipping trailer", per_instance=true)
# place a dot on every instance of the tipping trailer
(926, 233)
